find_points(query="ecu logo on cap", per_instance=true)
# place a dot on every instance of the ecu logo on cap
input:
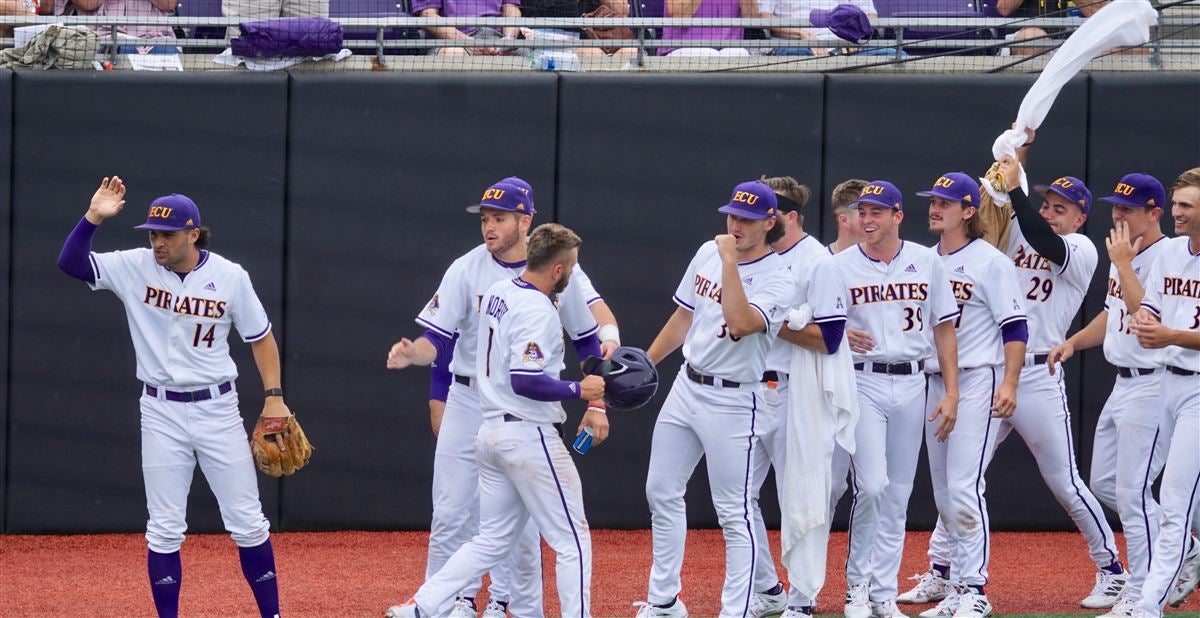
(943, 182)
(1063, 182)
(872, 190)
(161, 212)
(1124, 189)
(745, 197)
(492, 194)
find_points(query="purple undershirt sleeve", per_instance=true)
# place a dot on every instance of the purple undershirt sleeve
(74, 259)
(439, 371)
(1016, 330)
(587, 346)
(541, 387)
(832, 333)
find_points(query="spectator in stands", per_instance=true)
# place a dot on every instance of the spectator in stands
(802, 9)
(576, 8)
(469, 8)
(120, 8)
(24, 8)
(250, 10)
(707, 8)
(1026, 9)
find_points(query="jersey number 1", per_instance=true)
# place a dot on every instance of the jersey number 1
(207, 337)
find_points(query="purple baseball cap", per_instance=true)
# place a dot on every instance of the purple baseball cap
(1071, 188)
(504, 196)
(845, 20)
(956, 187)
(880, 193)
(751, 200)
(524, 186)
(170, 213)
(1140, 191)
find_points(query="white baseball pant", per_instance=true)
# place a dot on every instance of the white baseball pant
(1129, 452)
(175, 436)
(516, 579)
(891, 425)
(957, 467)
(719, 424)
(525, 472)
(1180, 491)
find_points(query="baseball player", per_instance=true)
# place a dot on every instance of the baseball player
(992, 333)
(1128, 451)
(897, 291)
(525, 471)
(449, 341)
(1169, 320)
(731, 302)
(800, 252)
(849, 229)
(181, 301)
(1054, 267)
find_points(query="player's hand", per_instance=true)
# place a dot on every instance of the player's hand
(1011, 169)
(591, 388)
(1120, 250)
(401, 354)
(607, 348)
(946, 414)
(1004, 403)
(108, 200)
(1152, 334)
(726, 246)
(1030, 134)
(596, 420)
(273, 407)
(860, 341)
(1059, 354)
(436, 409)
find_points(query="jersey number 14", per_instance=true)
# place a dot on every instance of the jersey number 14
(203, 336)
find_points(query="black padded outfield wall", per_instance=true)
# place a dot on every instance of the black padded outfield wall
(343, 196)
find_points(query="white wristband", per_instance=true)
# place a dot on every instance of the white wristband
(610, 332)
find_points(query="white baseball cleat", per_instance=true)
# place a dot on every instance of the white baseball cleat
(945, 608)
(462, 608)
(646, 610)
(797, 612)
(494, 610)
(886, 609)
(858, 602)
(930, 587)
(1189, 576)
(1107, 590)
(408, 609)
(1122, 609)
(973, 605)
(768, 604)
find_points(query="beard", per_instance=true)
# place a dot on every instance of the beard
(559, 286)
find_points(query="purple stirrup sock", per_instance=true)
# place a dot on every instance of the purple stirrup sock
(166, 573)
(258, 565)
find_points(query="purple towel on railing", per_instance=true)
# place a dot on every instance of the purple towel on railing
(296, 36)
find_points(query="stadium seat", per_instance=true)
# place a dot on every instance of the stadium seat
(201, 8)
(965, 9)
(376, 8)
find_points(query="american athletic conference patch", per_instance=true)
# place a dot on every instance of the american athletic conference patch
(533, 354)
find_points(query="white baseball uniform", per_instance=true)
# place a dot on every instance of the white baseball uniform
(525, 472)
(896, 302)
(1052, 294)
(1129, 450)
(985, 286)
(180, 329)
(455, 308)
(1173, 294)
(716, 418)
(805, 261)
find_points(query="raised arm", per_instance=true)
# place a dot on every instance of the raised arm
(107, 202)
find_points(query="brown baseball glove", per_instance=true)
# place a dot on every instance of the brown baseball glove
(279, 446)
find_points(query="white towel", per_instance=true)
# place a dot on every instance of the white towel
(822, 409)
(1120, 23)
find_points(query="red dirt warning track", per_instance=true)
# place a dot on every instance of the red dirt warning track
(338, 574)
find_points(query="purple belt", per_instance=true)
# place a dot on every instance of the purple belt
(189, 396)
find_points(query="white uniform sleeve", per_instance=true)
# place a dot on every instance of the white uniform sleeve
(1002, 291)
(827, 292)
(1080, 263)
(449, 305)
(115, 270)
(1152, 299)
(573, 310)
(942, 304)
(685, 294)
(590, 295)
(247, 312)
(773, 299)
(532, 335)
